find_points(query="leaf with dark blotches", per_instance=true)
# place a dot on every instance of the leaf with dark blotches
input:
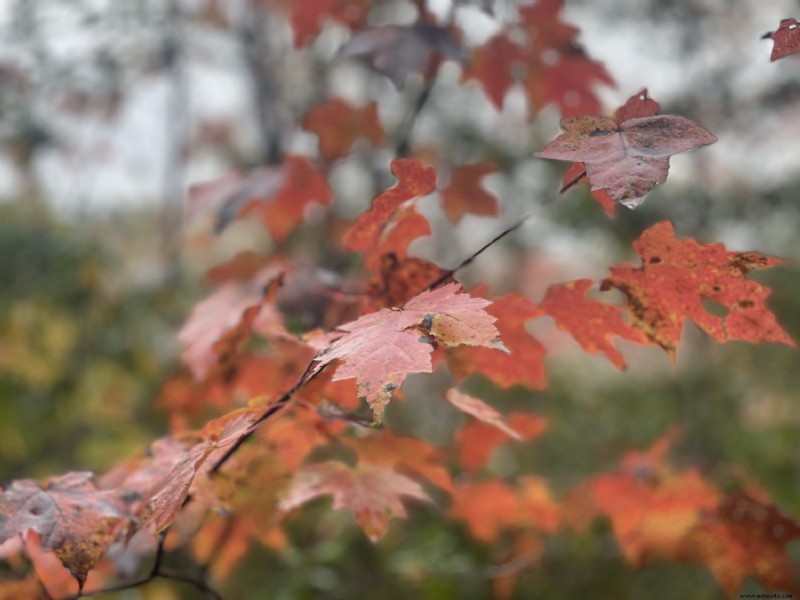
(463, 194)
(372, 493)
(591, 323)
(639, 105)
(381, 348)
(626, 160)
(746, 537)
(72, 517)
(339, 124)
(786, 39)
(676, 276)
(399, 51)
(522, 364)
(199, 453)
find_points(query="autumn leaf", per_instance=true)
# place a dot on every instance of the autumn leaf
(745, 537)
(522, 364)
(463, 194)
(157, 483)
(404, 454)
(637, 106)
(303, 185)
(651, 505)
(399, 51)
(490, 507)
(381, 348)
(218, 326)
(626, 160)
(786, 40)
(478, 440)
(591, 323)
(545, 58)
(307, 17)
(338, 125)
(399, 280)
(373, 494)
(279, 195)
(480, 410)
(367, 232)
(675, 278)
(72, 517)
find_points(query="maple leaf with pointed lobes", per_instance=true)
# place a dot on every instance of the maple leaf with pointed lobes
(677, 275)
(464, 195)
(626, 160)
(637, 106)
(745, 537)
(786, 39)
(591, 323)
(371, 493)
(651, 506)
(522, 364)
(550, 65)
(381, 348)
(73, 518)
(367, 233)
(339, 124)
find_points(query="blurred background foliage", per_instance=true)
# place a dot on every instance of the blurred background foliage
(104, 124)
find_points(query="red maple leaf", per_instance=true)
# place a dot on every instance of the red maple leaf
(745, 537)
(651, 505)
(73, 518)
(522, 364)
(786, 39)
(339, 124)
(626, 160)
(366, 234)
(550, 64)
(279, 195)
(591, 323)
(677, 275)
(637, 106)
(218, 326)
(463, 194)
(381, 348)
(371, 493)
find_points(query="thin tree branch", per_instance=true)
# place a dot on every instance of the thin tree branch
(467, 261)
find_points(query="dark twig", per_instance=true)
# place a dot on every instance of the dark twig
(404, 145)
(157, 571)
(467, 261)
